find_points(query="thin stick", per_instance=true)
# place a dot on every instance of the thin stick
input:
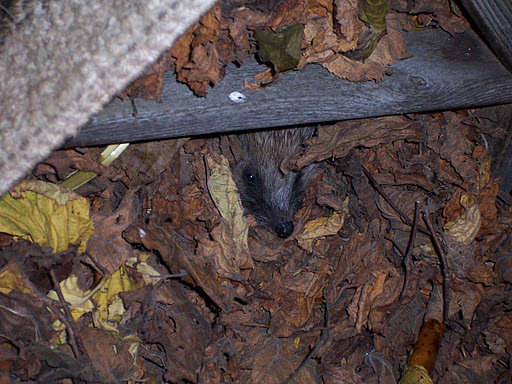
(444, 264)
(407, 257)
(68, 320)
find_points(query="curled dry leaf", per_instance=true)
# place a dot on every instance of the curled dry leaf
(149, 85)
(197, 60)
(347, 23)
(224, 194)
(370, 290)
(466, 226)
(321, 227)
(338, 139)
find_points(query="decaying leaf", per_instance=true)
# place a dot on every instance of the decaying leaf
(109, 250)
(11, 278)
(77, 298)
(196, 57)
(338, 139)
(47, 214)
(144, 162)
(110, 306)
(467, 225)
(323, 226)
(281, 49)
(224, 193)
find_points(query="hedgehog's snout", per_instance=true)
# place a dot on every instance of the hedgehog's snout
(285, 229)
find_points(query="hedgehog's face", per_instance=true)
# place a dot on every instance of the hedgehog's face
(270, 196)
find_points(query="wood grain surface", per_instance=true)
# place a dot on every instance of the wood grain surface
(444, 72)
(494, 21)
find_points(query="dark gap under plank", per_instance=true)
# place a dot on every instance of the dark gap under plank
(443, 73)
(494, 20)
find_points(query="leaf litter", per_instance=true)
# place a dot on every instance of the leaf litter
(184, 287)
(354, 40)
(404, 233)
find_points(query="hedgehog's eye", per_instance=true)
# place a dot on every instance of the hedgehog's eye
(250, 177)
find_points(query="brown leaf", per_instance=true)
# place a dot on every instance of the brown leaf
(66, 161)
(197, 60)
(355, 71)
(347, 23)
(25, 317)
(337, 140)
(109, 355)
(149, 85)
(320, 8)
(274, 359)
(288, 12)
(486, 199)
(392, 46)
(177, 329)
(158, 235)
(106, 246)
(144, 162)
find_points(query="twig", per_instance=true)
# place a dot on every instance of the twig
(444, 265)
(69, 322)
(395, 244)
(403, 216)
(181, 274)
(410, 246)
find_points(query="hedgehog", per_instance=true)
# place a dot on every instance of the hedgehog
(266, 192)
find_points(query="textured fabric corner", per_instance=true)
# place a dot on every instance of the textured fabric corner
(67, 59)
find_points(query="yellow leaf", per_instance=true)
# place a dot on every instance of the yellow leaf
(224, 193)
(47, 214)
(466, 226)
(149, 274)
(321, 227)
(109, 307)
(75, 296)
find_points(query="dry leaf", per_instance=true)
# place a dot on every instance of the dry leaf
(321, 227)
(466, 226)
(224, 194)
(47, 214)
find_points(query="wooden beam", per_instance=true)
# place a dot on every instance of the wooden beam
(494, 21)
(443, 73)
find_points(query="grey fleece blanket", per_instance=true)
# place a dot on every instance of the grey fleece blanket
(66, 59)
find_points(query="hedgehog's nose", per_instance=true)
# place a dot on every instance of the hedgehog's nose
(284, 229)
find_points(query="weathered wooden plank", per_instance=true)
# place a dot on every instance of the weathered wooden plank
(443, 73)
(494, 20)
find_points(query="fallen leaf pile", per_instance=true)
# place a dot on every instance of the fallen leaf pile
(354, 40)
(165, 279)
(151, 271)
